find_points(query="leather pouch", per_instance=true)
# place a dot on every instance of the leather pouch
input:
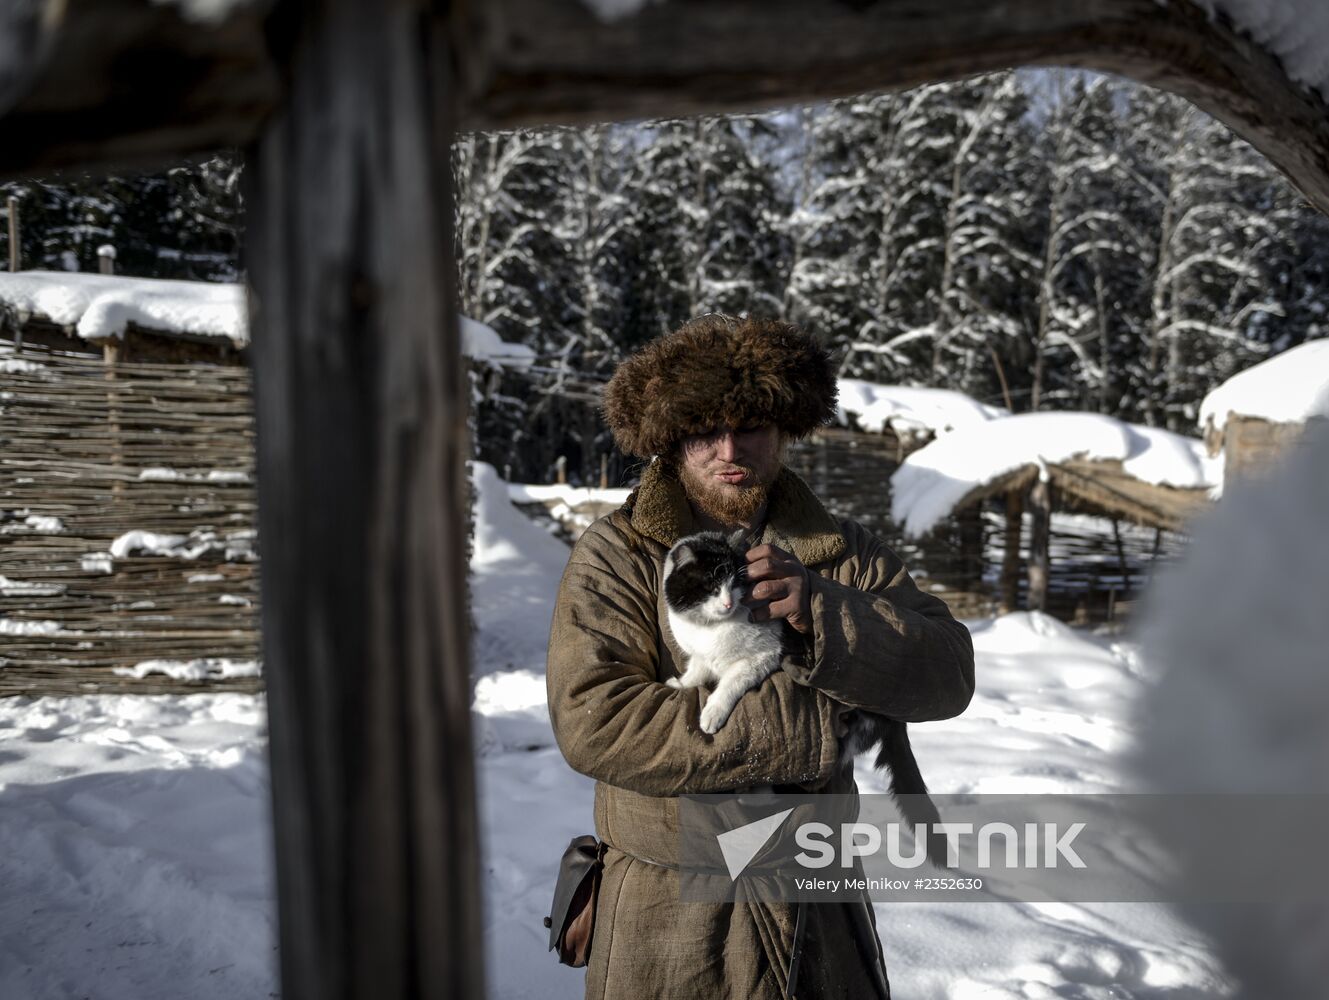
(571, 921)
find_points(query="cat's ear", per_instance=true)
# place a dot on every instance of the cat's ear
(682, 555)
(739, 540)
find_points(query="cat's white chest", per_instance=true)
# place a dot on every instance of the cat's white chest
(723, 643)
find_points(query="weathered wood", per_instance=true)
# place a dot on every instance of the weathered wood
(362, 437)
(106, 81)
(98, 83)
(1010, 559)
(15, 248)
(1040, 517)
(537, 61)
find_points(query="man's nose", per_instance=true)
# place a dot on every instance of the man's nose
(725, 448)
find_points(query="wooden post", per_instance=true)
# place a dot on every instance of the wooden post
(1040, 510)
(362, 440)
(604, 470)
(106, 259)
(15, 248)
(1010, 559)
(1121, 553)
(111, 351)
(970, 524)
(561, 469)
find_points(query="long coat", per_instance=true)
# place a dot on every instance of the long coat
(878, 643)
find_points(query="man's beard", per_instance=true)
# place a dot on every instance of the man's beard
(724, 503)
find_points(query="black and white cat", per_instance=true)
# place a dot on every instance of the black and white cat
(705, 581)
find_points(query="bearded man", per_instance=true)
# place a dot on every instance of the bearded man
(712, 405)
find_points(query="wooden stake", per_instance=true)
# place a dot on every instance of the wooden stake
(1040, 510)
(111, 351)
(604, 471)
(15, 248)
(1121, 553)
(1010, 560)
(362, 440)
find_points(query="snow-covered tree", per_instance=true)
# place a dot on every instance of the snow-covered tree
(1211, 289)
(1089, 284)
(985, 301)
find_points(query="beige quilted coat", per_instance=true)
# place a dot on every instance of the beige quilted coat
(879, 643)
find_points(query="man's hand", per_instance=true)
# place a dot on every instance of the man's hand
(779, 588)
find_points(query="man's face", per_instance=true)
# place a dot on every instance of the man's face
(727, 472)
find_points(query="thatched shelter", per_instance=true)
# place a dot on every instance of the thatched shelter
(1046, 462)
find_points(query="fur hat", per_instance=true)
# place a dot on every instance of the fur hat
(714, 370)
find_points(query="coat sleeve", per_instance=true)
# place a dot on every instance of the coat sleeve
(883, 645)
(615, 722)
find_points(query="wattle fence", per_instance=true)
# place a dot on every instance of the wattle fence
(128, 550)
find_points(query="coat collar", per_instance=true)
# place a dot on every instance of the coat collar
(795, 518)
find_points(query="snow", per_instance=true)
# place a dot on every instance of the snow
(208, 13)
(909, 409)
(1288, 388)
(573, 496)
(135, 848)
(163, 474)
(1239, 632)
(1295, 31)
(192, 670)
(29, 588)
(37, 524)
(97, 562)
(932, 480)
(98, 306)
(615, 10)
(234, 545)
(137, 828)
(483, 343)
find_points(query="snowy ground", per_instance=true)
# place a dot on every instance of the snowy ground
(134, 836)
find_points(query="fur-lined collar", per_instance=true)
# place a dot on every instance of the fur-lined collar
(795, 518)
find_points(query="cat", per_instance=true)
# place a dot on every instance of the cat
(705, 581)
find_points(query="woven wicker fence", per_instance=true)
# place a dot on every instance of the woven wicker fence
(90, 455)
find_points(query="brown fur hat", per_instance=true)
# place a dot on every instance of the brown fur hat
(714, 370)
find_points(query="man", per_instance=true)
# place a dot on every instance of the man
(712, 405)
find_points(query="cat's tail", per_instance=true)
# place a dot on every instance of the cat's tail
(908, 790)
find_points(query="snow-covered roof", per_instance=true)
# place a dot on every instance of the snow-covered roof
(933, 480)
(98, 306)
(1288, 388)
(482, 342)
(1295, 31)
(909, 409)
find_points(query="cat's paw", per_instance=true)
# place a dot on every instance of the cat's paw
(713, 716)
(673, 682)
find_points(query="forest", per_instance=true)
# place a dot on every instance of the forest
(1037, 239)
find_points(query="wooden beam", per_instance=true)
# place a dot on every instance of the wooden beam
(103, 83)
(544, 61)
(361, 448)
